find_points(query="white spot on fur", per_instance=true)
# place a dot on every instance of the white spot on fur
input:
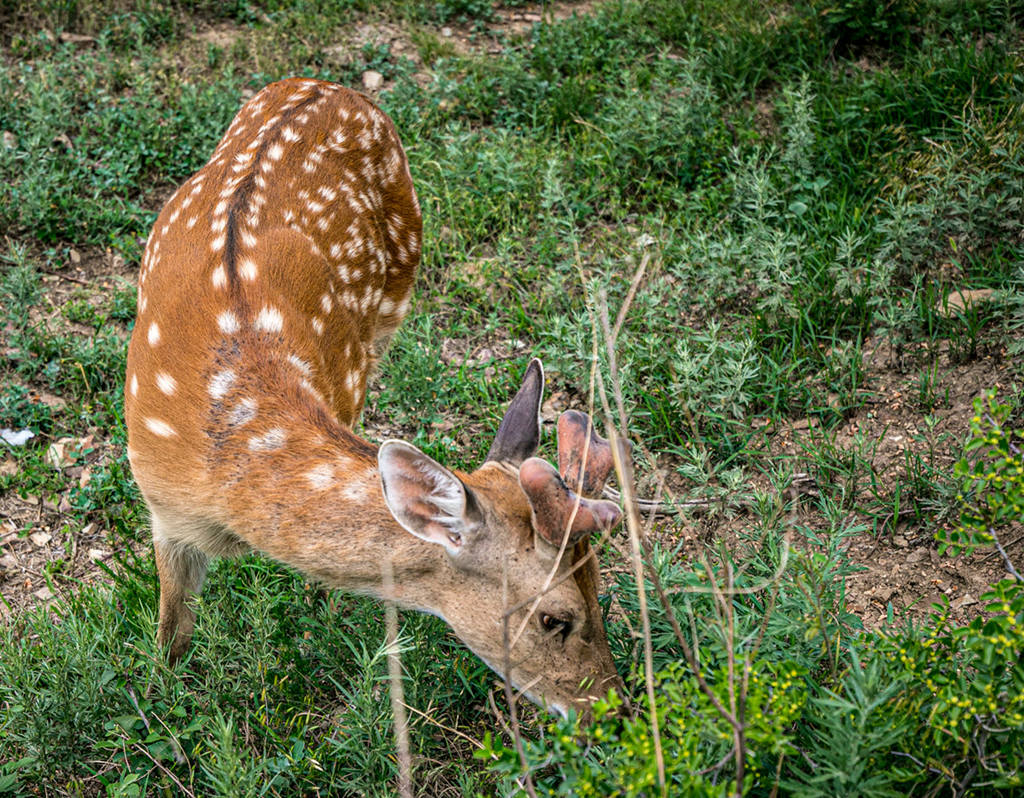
(276, 151)
(307, 386)
(300, 364)
(159, 427)
(318, 325)
(247, 270)
(219, 277)
(153, 336)
(166, 383)
(228, 322)
(243, 413)
(269, 320)
(135, 385)
(221, 382)
(326, 303)
(269, 440)
(217, 244)
(321, 476)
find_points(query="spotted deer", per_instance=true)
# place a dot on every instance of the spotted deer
(270, 283)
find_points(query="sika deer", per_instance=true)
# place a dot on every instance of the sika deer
(270, 282)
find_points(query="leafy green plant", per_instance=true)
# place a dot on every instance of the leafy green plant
(992, 485)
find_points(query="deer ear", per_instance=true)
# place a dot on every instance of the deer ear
(519, 432)
(426, 498)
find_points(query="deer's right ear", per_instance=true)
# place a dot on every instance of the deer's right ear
(519, 432)
(426, 498)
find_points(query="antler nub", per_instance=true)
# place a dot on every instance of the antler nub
(584, 466)
(557, 510)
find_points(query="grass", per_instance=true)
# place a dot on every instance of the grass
(809, 183)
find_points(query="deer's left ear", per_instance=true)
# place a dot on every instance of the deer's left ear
(519, 433)
(426, 498)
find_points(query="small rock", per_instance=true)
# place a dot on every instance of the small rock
(961, 299)
(98, 554)
(446, 32)
(85, 478)
(75, 256)
(40, 539)
(966, 600)
(8, 562)
(643, 241)
(372, 80)
(917, 555)
(901, 541)
(8, 468)
(10, 140)
(43, 594)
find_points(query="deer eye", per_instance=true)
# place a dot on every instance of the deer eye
(556, 623)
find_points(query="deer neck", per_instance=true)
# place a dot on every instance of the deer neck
(302, 487)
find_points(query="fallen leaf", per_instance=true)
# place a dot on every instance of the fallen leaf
(64, 141)
(57, 455)
(40, 539)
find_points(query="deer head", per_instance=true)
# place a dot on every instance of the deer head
(522, 579)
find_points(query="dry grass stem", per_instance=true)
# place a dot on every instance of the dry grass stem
(624, 473)
(397, 690)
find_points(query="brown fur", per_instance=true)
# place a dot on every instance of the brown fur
(271, 280)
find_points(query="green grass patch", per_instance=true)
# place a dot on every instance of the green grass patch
(799, 180)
